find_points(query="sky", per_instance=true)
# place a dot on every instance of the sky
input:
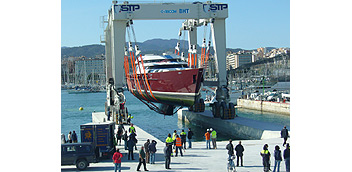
(251, 23)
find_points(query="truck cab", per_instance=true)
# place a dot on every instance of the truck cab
(79, 154)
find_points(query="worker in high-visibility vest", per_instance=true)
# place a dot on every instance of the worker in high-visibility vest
(169, 142)
(213, 137)
(183, 138)
(132, 129)
(266, 158)
(178, 145)
(174, 137)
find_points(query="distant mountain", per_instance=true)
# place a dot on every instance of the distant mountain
(153, 46)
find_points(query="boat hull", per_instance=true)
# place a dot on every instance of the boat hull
(178, 88)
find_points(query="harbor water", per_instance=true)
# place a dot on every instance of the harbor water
(156, 124)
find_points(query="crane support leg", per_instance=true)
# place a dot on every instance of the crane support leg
(118, 52)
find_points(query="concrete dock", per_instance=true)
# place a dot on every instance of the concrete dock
(198, 158)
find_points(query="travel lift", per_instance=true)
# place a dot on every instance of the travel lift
(195, 14)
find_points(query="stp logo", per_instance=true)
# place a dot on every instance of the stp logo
(120, 8)
(214, 7)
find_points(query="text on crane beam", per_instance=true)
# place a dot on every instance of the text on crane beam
(181, 11)
(214, 7)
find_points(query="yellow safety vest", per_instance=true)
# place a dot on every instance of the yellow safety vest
(169, 140)
(213, 134)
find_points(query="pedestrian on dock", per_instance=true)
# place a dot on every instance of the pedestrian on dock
(117, 160)
(133, 136)
(169, 142)
(74, 137)
(146, 148)
(132, 129)
(287, 157)
(125, 138)
(69, 137)
(142, 160)
(239, 152)
(167, 154)
(178, 145)
(229, 147)
(129, 119)
(174, 138)
(119, 134)
(109, 115)
(130, 145)
(284, 134)
(183, 136)
(278, 158)
(266, 158)
(189, 136)
(152, 151)
(207, 139)
(213, 137)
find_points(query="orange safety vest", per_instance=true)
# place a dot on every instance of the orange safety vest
(178, 142)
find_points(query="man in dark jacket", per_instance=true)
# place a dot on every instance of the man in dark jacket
(287, 157)
(284, 134)
(167, 154)
(189, 136)
(229, 147)
(130, 145)
(239, 152)
(74, 137)
(152, 150)
(146, 148)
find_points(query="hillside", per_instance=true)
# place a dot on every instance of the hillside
(153, 46)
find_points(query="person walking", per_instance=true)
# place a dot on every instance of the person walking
(287, 157)
(146, 148)
(189, 136)
(167, 155)
(207, 139)
(278, 158)
(213, 137)
(74, 137)
(178, 145)
(152, 150)
(239, 152)
(130, 145)
(284, 134)
(266, 158)
(125, 138)
(117, 160)
(183, 136)
(119, 134)
(142, 160)
(229, 147)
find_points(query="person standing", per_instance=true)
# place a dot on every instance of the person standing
(117, 160)
(152, 150)
(74, 137)
(278, 158)
(109, 115)
(134, 139)
(229, 147)
(167, 154)
(213, 137)
(239, 152)
(284, 134)
(183, 136)
(207, 139)
(189, 136)
(132, 129)
(266, 158)
(146, 147)
(142, 160)
(69, 137)
(178, 145)
(169, 142)
(125, 138)
(130, 145)
(287, 157)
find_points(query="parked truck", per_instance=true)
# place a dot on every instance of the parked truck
(101, 135)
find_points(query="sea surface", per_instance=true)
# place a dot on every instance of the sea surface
(156, 124)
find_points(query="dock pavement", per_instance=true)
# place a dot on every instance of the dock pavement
(198, 158)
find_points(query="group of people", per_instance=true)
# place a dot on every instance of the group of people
(239, 152)
(278, 158)
(177, 142)
(71, 138)
(210, 134)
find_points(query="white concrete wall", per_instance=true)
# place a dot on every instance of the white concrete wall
(282, 108)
